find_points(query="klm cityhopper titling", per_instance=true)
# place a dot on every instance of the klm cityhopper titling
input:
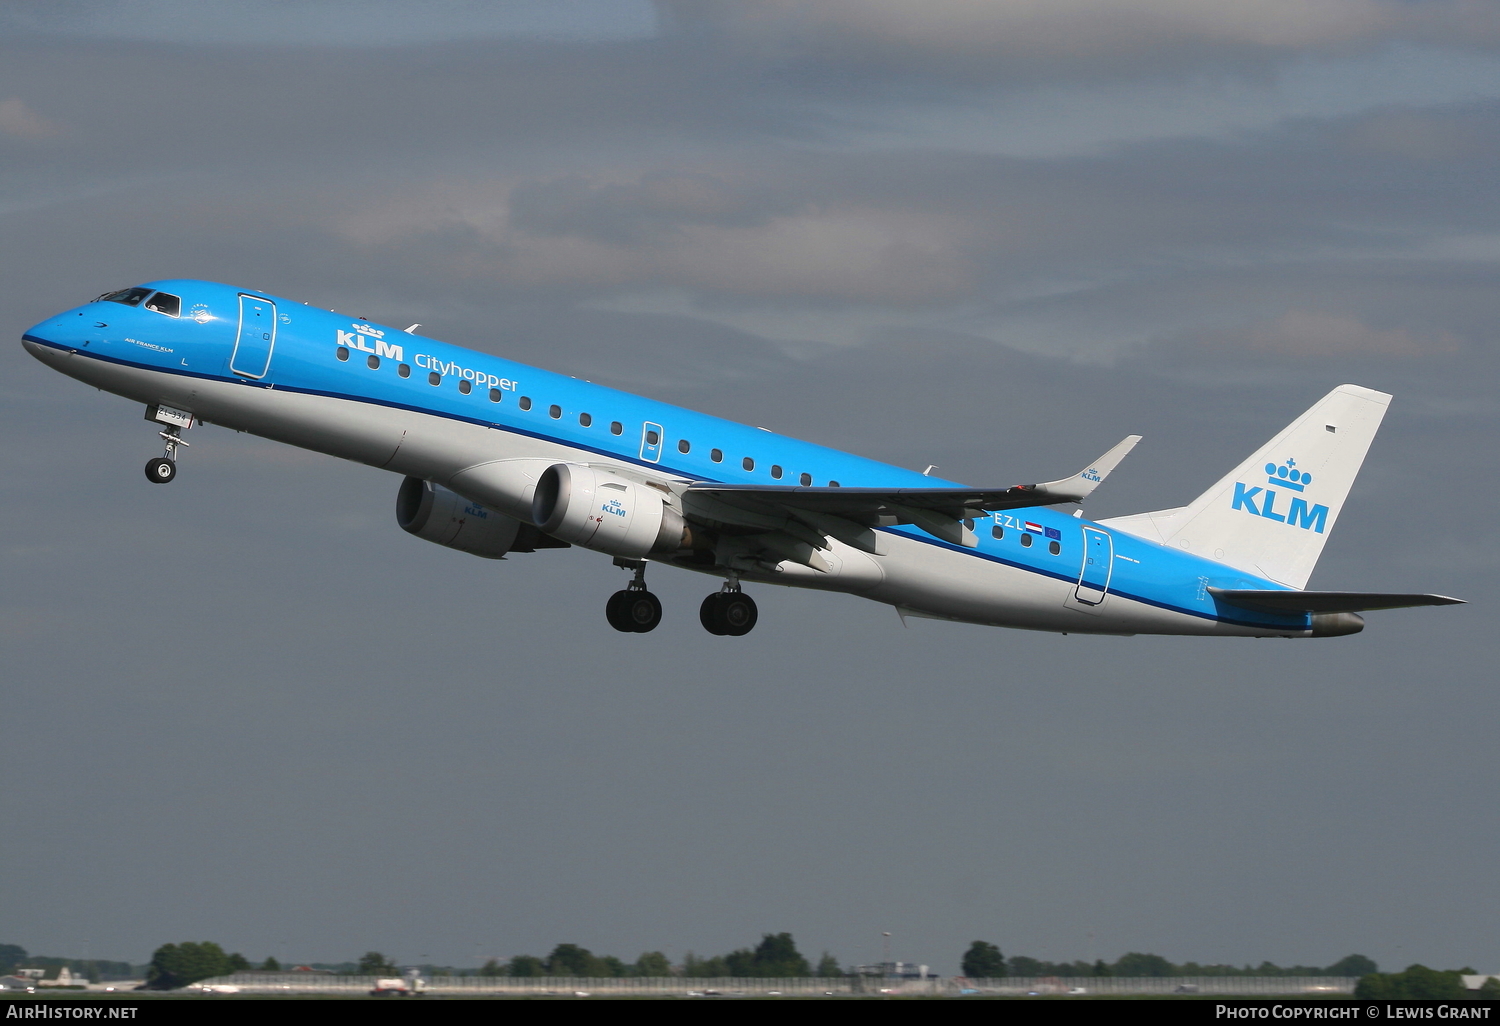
(498, 458)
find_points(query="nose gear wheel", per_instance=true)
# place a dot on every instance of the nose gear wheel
(160, 470)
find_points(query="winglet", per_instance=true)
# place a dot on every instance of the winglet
(1078, 487)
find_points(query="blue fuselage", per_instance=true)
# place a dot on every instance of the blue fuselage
(223, 339)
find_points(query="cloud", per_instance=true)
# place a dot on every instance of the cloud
(1041, 37)
(1081, 27)
(683, 232)
(319, 23)
(1310, 334)
(635, 179)
(870, 255)
(630, 212)
(1424, 135)
(20, 122)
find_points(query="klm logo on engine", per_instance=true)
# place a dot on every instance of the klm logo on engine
(614, 508)
(361, 338)
(1261, 501)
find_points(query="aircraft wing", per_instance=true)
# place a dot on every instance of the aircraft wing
(938, 511)
(1326, 601)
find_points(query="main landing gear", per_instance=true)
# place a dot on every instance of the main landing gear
(729, 612)
(634, 610)
(163, 468)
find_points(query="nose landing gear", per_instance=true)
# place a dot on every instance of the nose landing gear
(634, 610)
(729, 613)
(163, 468)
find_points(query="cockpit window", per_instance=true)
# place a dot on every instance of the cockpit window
(130, 297)
(165, 303)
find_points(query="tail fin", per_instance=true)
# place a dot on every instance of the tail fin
(1271, 515)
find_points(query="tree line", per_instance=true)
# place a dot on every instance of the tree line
(178, 965)
(775, 956)
(984, 960)
(1420, 983)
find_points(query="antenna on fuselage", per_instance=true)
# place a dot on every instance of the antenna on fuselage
(930, 468)
(411, 330)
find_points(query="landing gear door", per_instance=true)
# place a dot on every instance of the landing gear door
(651, 442)
(252, 349)
(1098, 561)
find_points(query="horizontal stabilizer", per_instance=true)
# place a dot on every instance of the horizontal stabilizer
(1326, 601)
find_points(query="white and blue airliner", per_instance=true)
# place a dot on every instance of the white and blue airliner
(499, 457)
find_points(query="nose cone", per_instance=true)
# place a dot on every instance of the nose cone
(67, 330)
(57, 338)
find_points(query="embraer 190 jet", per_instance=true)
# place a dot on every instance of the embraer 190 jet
(498, 458)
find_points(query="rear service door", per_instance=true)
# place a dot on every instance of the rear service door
(252, 350)
(1098, 558)
(651, 442)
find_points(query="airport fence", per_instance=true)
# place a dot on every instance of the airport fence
(682, 986)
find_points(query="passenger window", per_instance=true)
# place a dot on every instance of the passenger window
(434, 378)
(130, 297)
(585, 420)
(776, 472)
(464, 385)
(997, 531)
(372, 362)
(525, 402)
(554, 411)
(1054, 547)
(343, 354)
(1025, 540)
(615, 427)
(496, 395)
(683, 445)
(165, 303)
(653, 437)
(968, 524)
(717, 455)
(404, 371)
(747, 463)
(806, 480)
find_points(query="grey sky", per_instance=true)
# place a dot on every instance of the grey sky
(247, 708)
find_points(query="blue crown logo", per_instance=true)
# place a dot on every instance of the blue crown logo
(1287, 476)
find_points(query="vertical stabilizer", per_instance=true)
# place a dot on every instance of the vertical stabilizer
(1271, 515)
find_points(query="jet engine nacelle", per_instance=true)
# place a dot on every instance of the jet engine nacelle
(605, 512)
(435, 514)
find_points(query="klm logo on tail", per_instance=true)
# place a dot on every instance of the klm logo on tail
(1287, 478)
